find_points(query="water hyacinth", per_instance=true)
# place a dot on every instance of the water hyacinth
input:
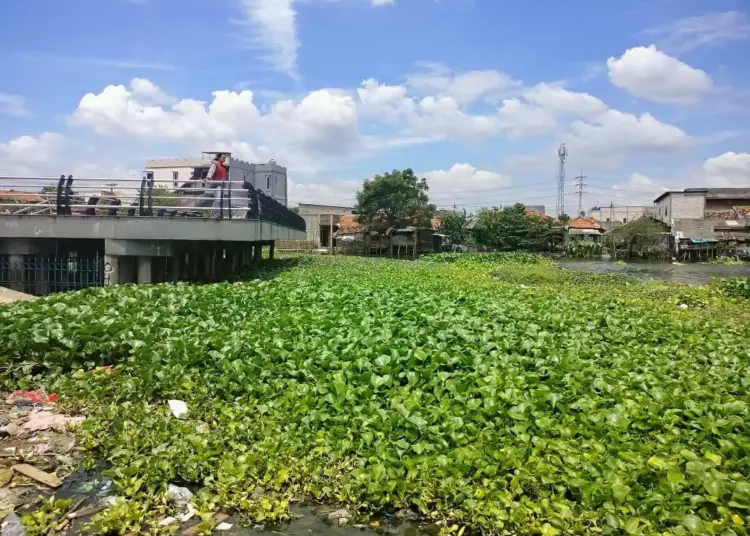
(499, 393)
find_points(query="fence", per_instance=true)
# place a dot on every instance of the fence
(40, 276)
(143, 199)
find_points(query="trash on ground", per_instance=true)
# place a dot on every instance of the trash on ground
(85, 512)
(31, 397)
(179, 408)
(178, 495)
(168, 521)
(42, 448)
(42, 477)
(46, 420)
(12, 526)
(224, 526)
(340, 517)
(188, 514)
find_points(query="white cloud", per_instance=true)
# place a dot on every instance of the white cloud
(728, 170)
(465, 88)
(558, 99)
(651, 74)
(462, 178)
(33, 155)
(689, 33)
(616, 133)
(271, 24)
(324, 120)
(377, 3)
(13, 105)
(522, 120)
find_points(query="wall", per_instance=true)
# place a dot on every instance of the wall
(686, 206)
(317, 215)
(622, 214)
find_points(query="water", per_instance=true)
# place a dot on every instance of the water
(690, 274)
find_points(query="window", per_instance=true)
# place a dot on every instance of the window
(268, 182)
(175, 178)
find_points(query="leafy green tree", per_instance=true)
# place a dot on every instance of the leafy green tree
(394, 197)
(295, 210)
(457, 226)
(563, 218)
(510, 229)
(643, 236)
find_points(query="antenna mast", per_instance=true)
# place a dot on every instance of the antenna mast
(562, 154)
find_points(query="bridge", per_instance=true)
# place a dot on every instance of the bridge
(67, 234)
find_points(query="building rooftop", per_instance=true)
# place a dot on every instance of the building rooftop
(583, 223)
(711, 193)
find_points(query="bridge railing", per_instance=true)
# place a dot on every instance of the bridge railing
(65, 196)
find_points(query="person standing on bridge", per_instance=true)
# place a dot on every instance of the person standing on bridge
(217, 173)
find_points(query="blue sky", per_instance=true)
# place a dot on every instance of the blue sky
(475, 95)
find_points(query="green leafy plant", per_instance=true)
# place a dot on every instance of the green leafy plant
(496, 392)
(734, 288)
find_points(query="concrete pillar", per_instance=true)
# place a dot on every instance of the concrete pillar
(174, 267)
(127, 269)
(271, 250)
(234, 261)
(258, 253)
(144, 271)
(111, 269)
(15, 263)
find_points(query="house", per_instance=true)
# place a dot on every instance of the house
(707, 221)
(321, 221)
(181, 173)
(583, 229)
(614, 216)
(408, 239)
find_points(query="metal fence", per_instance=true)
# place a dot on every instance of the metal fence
(198, 199)
(39, 276)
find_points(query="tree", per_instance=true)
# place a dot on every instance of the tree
(395, 197)
(456, 226)
(644, 235)
(295, 210)
(563, 218)
(510, 229)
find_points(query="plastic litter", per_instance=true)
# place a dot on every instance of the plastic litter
(188, 514)
(223, 526)
(12, 526)
(31, 397)
(46, 420)
(179, 496)
(178, 407)
(168, 521)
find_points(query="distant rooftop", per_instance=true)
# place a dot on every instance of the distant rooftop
(711, 193)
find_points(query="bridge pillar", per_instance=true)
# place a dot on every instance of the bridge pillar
(111, 269)
(15, 263)
(271, 251)
(174, 267)
(258, 252)
(144, 270)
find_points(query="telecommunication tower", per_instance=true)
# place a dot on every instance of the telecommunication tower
(562, 154)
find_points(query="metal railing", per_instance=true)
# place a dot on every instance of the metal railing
(42, 275)
(87, 197)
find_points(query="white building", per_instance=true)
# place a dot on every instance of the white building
(270, 178)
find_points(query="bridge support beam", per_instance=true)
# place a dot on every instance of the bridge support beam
(144, 271)
(111, 269)
(15, 264)
(272, 247)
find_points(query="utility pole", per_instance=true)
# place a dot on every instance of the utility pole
(612, 212)
(579, 188)
(562, 155)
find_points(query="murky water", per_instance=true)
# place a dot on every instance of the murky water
(691, 274)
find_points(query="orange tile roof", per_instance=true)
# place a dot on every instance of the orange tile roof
(349, 224)
(583, 223)
(21, 197)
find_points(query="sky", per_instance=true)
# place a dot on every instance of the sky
(474, 95)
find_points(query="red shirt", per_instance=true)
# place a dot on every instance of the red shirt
(221, 172)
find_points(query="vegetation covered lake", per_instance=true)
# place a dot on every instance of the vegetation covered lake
(492, 392)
